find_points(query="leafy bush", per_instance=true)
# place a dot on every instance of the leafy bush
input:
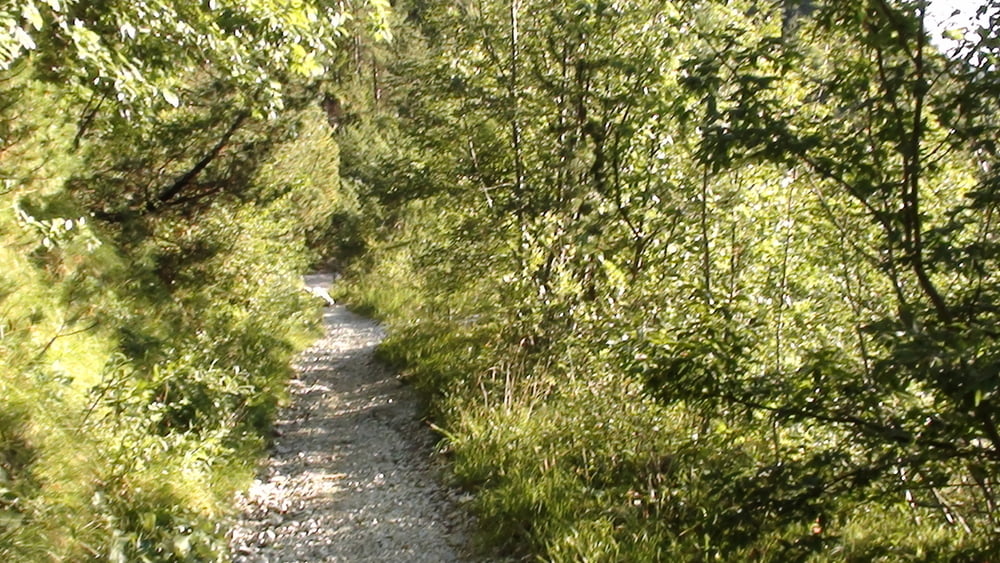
(143, 354)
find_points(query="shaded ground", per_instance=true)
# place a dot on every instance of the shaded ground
(351, 475)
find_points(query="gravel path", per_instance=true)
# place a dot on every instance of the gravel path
(351, 475)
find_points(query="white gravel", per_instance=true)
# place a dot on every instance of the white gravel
(352, 475)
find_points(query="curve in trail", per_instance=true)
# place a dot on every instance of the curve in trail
(350, 476)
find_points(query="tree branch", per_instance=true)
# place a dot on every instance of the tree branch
(184, 181)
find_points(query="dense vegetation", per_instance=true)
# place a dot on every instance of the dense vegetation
(693, 279)
(683, 279)
(164, 168)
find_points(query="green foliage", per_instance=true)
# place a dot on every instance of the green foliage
(136, 55)
(155, 218)
(770, 239)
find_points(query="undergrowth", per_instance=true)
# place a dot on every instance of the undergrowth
(572, 459)
(142, 358)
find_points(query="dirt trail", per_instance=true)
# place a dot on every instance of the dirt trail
(351, 475)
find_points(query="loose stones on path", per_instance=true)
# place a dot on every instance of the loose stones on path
(351, 475)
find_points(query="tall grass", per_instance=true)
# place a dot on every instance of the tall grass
(571, 459)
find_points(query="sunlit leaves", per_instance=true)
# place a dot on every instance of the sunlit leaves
(32, 15)
(134, 49)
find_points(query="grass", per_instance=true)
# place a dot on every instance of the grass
(572, 460)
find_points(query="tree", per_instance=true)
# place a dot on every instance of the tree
(783, 226)
(881, 136)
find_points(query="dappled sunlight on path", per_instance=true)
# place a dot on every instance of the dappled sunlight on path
(351, 475)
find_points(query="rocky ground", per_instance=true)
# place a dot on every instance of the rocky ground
(351, 476)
